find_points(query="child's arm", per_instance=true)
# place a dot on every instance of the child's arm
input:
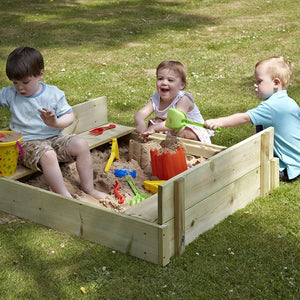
(229, 121)
(185, 104)
(50, 118)
(161, 126)
(141, 115)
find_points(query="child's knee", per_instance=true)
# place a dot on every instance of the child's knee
(48, 157)
(78, 145)
(187, 133)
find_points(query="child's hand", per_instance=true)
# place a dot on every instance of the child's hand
(141, 128)
(48, 117)
(149, 131)
(212, 124)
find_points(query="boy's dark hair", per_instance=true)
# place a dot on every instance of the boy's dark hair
(24, 62)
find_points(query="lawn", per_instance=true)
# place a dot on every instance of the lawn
(94, 48)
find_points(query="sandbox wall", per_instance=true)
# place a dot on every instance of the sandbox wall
(197, 199)
(121, 232)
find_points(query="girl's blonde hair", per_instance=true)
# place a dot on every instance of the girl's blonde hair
(278, 67)
(175, 66)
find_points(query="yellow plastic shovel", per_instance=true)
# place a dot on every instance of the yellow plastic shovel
(113, 155)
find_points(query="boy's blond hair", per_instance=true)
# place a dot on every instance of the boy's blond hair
(278, 67)
(175, 66)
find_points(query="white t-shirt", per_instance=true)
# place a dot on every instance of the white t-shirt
(193, 115)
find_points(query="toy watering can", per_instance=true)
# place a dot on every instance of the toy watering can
(177, 119)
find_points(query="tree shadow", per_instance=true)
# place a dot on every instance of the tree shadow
(98, 25)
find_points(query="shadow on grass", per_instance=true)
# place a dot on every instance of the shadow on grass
(71, 23)
(45, 264)
(252, 253)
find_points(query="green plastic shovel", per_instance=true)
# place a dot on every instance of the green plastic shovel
(177, 119)
(138, 195)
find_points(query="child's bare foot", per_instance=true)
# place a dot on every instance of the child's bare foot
(97, 194)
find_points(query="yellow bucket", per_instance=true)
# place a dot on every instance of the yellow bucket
(9, 153)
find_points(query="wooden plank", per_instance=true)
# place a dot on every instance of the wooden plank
(98, 140)
(207, 213)
(167, 246)
(193, 147)
(146, 210)
(266, 154)
(210, 176)
(21, 172)
(88, 115)
(274, 172)
(179, 216)
(118, 231)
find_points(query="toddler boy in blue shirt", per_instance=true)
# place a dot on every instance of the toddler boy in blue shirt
(272, 77)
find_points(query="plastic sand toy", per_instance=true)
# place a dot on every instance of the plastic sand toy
(99, 130)
(177, 119)
(152, 185)
(125, 171)
(114, 154)
(167, 165)
(10, 151)
(138, 195)
(116, 188)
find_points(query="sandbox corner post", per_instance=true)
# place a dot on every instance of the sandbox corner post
(266, 155)
(179, 216)
(164, 253)
(274, 172)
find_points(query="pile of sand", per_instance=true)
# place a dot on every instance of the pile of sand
(136, 156)
(10, 137)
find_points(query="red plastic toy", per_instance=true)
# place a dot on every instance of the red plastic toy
(167, 165)
(116, 188)
(99, 130)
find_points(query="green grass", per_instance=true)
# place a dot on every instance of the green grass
(112, 48)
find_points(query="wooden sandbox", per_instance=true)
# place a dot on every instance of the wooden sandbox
(160, 226)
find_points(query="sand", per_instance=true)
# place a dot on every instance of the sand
(9, 137)
(135, 156)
